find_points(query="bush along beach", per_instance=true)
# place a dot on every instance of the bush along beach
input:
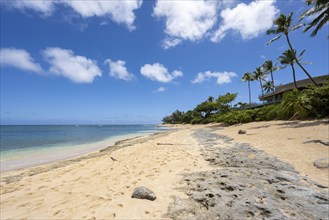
(310, 103)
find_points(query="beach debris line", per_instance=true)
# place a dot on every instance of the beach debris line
(242, 132)
(322, 163)
(143, 193)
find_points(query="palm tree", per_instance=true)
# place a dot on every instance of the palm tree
(248, 77)
(268, 67)
(259, 75)
(289, 57)
(282, 25)
(320, 10)
(268, 86)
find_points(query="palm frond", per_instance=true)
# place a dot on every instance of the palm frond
(282, 67)
(320, 25)
(307, 63)
(274, 39)
(301, 54)
(297, 26)
(272, 31)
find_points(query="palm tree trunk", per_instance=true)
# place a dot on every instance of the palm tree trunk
(273, 99)
(272, 80)
(293, 73)
(298, 63)
(261, 86)
(249, 92)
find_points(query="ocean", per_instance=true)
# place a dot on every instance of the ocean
(28, 145)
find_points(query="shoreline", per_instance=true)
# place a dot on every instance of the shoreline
(100, 185)
(112, 145)
(71, 153)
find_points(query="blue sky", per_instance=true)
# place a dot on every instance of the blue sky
(114, 62)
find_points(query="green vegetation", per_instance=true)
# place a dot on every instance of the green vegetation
(312, 102)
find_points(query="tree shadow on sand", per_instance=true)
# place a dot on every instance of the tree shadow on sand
(301, 124)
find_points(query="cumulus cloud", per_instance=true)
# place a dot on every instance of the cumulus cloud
(160, 89)
(249, 20)
(78, 69)
(157, 72)
(185, 20)
(20, 59)
(118, 70)
(46, 7)
(221, 77)
(177, 73)
(121, 11)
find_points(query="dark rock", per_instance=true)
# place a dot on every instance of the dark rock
(322, 163)
(261, 187)
(242, 132)
(143, 193)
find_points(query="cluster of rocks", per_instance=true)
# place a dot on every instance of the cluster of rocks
(246, 183)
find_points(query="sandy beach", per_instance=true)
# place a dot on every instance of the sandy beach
(100, 185)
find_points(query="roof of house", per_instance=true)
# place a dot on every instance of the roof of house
(290, 86)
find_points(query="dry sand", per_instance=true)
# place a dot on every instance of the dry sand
(97, 187)
(100, 187)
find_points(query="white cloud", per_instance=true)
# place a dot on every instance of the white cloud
(20, 59)
(46, 7)
(121, 11)
(249, 20)
(221, 77)
(185, 20)
(177, 73)
(160, 89)
(171, 42)
(119, 70)
(65, 63)
(157, 72)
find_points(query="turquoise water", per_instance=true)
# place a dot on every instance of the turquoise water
(28, 145)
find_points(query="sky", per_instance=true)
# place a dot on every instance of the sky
(136, 61)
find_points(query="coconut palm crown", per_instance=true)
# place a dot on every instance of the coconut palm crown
(268, 87)
(289, 57)
(269, 68)
(320, 10)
